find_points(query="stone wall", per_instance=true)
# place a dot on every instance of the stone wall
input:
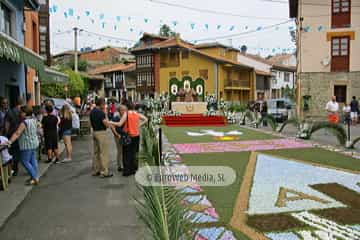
(320, 86)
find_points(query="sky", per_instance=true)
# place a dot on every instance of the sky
(121, 22)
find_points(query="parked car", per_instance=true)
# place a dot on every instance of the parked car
(279, 108)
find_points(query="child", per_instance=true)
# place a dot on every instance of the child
(6, 157)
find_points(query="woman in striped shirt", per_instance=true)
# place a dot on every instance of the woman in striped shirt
(28, 142)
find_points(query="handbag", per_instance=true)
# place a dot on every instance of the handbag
(125, 138)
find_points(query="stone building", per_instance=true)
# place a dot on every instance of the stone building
(328, 53)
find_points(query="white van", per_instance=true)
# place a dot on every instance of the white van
(279, 108)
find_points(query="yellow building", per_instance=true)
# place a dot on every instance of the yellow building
(172, 65)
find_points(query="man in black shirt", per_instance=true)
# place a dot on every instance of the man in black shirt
(354, 105)
(99, 125)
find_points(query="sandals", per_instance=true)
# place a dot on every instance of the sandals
(32, 182)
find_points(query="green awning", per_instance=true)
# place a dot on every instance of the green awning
(52, 76)
(13, 51)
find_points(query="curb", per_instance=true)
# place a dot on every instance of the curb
(13, 198)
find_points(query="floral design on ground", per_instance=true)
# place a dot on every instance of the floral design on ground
(241, 146)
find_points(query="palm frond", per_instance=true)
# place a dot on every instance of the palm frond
(337, 129)
(353, 144)
(294, 121)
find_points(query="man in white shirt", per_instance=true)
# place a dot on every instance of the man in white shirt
(332, 108)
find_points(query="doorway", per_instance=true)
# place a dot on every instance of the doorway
(340, 93)
(13, 94)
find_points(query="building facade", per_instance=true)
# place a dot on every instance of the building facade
(171, 65)
(328, 52)
(120, 80)
(32, 42)
(15, 59)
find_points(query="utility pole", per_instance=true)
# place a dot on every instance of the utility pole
(76, 31)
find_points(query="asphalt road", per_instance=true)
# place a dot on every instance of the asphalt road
(71, 204)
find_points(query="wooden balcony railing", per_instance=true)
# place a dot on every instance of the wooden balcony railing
(237, 83)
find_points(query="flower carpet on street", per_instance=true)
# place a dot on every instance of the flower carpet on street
(241, 146)
(286, 189)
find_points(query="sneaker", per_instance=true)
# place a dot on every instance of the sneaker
(66, 160)
(120, 169)
(109, 175)
(56, 161)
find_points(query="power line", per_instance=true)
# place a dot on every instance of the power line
(244, 33)
(213, 11)
(306, 3)
(110, 37)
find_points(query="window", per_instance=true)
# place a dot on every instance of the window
(5, 15)
(35, 37)
(287, 77)
(172, 74)
(145, 61)
(145, 79)
(185, 55)
(341, 16)
(204, 74)
(340, 93)
(185, 73)
(340, 50)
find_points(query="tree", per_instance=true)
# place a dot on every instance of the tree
(165, 31)
(76, 85)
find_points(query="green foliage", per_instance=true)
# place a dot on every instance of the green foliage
(82, 65)
(294, 121)
(53, 90)
(270, 120)
(355, 142)
(165, 31)
(76, 85)
(290, 93)
(337, 129)
(237, 107)
(164, 213)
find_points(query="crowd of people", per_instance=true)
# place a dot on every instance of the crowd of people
(350, 111)
(23, 127)
(125, 124)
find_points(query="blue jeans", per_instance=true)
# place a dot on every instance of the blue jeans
(28, 159)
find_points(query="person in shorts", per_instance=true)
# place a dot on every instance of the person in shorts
(50, 124)
(354, 105)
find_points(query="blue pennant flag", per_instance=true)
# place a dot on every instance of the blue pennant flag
(78, 18)
(50, 10)
(131, 29)
(65, 14)
(129, 18)
(258, 28)
(218, 27)
(103, 25)
(146, 20)
(71, 12)
(232, 28)
(54, 8)
(320, 28)
(206, 26)
(87, 13)
(92, 21)
(273, 50)
(115, 27)
(246, 27)
(307, 29)
(118, 18)
(192, 25)
(174, 23)
(277, 28)
(291, 28)
(102, 16)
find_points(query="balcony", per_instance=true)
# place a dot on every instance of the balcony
(237, 84)
(118, 84)
(108, 84)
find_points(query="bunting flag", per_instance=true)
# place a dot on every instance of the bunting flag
(118, 18)
(102, 16)
(207, 26)
(232, 28)
(71, 12)
(192, 25)
(87, 13)
(218, 27)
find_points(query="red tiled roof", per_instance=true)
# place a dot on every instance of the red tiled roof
(176, 42)
(119, 67)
